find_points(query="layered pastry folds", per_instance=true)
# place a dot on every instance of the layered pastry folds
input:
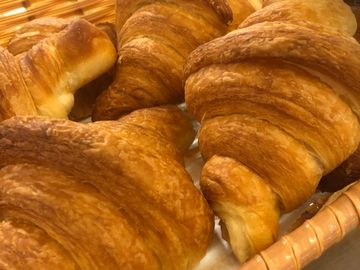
(278, 100)
(33, 32)
(15, 98)
(155, 37)
(59, 65)
(51, 64)
(110, 195)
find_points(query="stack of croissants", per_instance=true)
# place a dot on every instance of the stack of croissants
(275, 85)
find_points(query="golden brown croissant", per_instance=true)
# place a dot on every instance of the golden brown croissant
(56, 67)
(279, 105)
(86, 96)
(349, 170)
(59, 65)
(155, 37)
(33, 32)
(109, 195)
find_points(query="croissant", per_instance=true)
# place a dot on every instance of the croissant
(155, 37)
(57, 66)
(278, 103)
(31, 33)
(106, 195)
(349, 170)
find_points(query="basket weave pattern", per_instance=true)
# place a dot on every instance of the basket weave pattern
(14, 13)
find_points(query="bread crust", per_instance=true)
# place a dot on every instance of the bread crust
(280, 97)
(15, 98)
(113, 194)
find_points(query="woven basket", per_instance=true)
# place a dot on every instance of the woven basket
(14, 13)
(297, 249)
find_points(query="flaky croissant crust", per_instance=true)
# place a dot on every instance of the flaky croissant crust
(114, 195)
(312, 47)
(51, 65)
(278, 101)
(155, 38)
(64, 62)
(15, 98)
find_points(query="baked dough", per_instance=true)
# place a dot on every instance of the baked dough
(109, 195)
(64, 62)
(279, 103)
(155, 38)
(15, 98)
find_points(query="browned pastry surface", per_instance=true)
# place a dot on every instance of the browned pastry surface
(34, 31)
(109, 195)
(319, 51)
(166, 121)
(155, 37)
(86, 96)
(110, 30)
(37, 249)
(15, 98)
(333, 14)
(230, 187)
(280, 97)
(65, 208)
(37, 30)
(59, 65)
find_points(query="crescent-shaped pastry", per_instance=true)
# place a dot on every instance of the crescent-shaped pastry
(279, 104)
(33, 32)
(109, 195)
(59, 65)
(155, 37)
